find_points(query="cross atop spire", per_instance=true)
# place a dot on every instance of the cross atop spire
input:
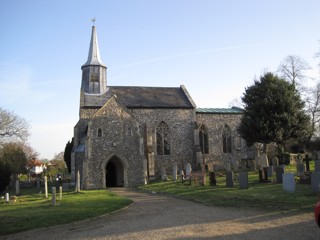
(93, 20)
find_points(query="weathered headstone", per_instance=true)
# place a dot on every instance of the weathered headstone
(46, 186)
(264, 160)
(188, 169)
(301, 169)
(229, 179)
(38, 184)
(288, 184)
(163, 174)
(307, 163)
(7, 198)
(174, 173)
(317, 166)
(243, 180)
(54, 196)
(275, 162)
(279, 172)
(315, 182)
(213, 180)
(60, 191)
(17, 187)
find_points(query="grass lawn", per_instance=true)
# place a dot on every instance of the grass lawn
(33, 210)
(267, 196)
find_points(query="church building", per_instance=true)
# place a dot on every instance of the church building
(127, 135)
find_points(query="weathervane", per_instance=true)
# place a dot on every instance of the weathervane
(93, 20)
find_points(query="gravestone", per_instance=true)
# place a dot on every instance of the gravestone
(60, 191)
(213, 180)
(315, 182)
(53, 196)
(163, 174)
(229, 179)
(307, 163)
(288, 184)
(46, 186)
(174, 173)
(188, 169)
(301, 169)
(279, 172)
(17, 187)
(317, 166)
(243, 180)
(7, 198)
(38, 184)
(275, 163)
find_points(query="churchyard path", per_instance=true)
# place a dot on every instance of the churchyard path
(156, 216)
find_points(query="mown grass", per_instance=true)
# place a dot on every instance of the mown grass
(268, 196)
(33, 210)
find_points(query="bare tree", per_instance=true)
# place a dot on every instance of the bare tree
(293, 69)
(12, 127)
(313, 108)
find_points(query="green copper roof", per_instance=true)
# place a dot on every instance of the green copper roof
(233, 110)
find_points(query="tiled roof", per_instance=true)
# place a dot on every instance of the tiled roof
(152, 97)
(233, 110)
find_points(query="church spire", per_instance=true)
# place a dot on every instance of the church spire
(94, 53)
(94, 72)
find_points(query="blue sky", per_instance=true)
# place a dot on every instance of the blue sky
(214, 48)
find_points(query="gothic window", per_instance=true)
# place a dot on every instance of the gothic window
(163, 139)
(99, 132)
(203, 139)
(226, 139)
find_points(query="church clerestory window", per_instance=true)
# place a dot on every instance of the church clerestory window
(99, 132)
(163, 139)
(203, 139)
(226, 139)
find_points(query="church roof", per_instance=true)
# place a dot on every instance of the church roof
(153, 97)
(233, 110)
(94, 53)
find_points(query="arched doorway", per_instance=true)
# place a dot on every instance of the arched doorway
(114, 173)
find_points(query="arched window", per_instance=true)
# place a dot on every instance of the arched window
(226, 139)
(99, 132)
(163, 139)
(203, 138)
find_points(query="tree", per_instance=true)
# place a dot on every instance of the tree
(12, 127)
(67, 154)
(12, 162)
(293, 69)
(273, 112)
(313, 109)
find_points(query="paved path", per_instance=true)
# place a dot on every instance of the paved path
(154, 216)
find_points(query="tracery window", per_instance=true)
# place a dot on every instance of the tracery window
(163, 139)
(226, 139)
(99, 132)
(203, 138)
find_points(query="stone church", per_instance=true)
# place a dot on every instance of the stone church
(127, 135)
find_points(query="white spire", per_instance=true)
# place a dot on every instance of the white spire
(94, 53)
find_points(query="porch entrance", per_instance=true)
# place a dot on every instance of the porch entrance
(114, 173)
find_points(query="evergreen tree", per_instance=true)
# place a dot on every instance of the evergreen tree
(273, 112)
(67, 154)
